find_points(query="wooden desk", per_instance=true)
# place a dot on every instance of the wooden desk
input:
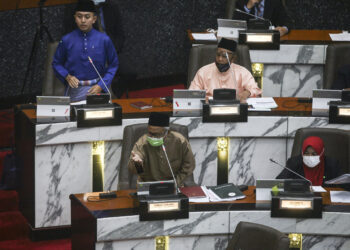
(308, 36)
(293, 37)
(115, 222)
(286, 106)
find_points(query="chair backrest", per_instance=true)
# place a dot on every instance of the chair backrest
(131, 134)
(230, 8)
(336, 143)
(51, 86)
(337, 56)
(252, 236)
(205, 54)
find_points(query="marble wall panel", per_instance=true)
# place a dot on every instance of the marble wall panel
(60, 170)
(331, 224)
(249, 159)
(205, 154)
(291, 80)
(290, 54)
(199, 242)
(113, 150)
(198, 223)
(59, 133)
(312, 242)
(141, 244)
(311, 122)
(261, 217)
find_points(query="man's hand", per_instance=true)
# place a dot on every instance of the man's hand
(136, 158)
(96, 89)
(251, 3)
(282, 30)
(243, 96)
(72, 81)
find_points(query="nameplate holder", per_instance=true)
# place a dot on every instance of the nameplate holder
(260, 39)
(163, 207)
(296, 205)
(339, 112)
(98, 115)
(229, 112)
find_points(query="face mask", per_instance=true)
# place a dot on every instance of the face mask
(311, 161)
(222, 67)
(155, 142)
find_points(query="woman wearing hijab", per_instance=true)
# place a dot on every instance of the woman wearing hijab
(312, 163)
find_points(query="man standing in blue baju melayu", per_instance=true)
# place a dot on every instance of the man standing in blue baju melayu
(71, 61)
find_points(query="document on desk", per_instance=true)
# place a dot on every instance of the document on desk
(262, 104)
(343, 179)
(204, 36)
(318, 189)
(345, 36)
(340, 196)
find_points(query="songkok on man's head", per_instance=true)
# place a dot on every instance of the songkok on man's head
(158, 119)
(227, 44)
(85, 6)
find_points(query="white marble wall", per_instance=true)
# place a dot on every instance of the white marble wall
(291, 80)
(212, 230)
(60, 170)
(294, 70)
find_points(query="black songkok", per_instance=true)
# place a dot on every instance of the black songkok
(158, 119)
(227, 44)
(85, 6)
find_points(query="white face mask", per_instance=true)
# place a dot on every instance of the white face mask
(311, 161)
(99, 1)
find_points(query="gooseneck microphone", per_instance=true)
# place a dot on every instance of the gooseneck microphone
(229, 63)
(275, 162)
(98, 73)
(171, 170)
(258, 17)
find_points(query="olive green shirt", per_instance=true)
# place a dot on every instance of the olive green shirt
(155, 165)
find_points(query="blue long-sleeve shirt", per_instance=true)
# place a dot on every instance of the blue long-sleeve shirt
(71, 57)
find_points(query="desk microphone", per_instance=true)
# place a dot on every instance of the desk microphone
(273, 161)
(258, 17)
(93, 65)
(229, 63)
(171, 170)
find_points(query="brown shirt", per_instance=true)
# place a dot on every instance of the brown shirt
(155, 166)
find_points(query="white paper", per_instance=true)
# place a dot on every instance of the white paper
(83, 102)
(340, 196)
(318, 189)
(204, 36)
(345, 36)
(262, 103)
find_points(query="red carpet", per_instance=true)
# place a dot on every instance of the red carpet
(13, 226)
(6, 128)
(8, 201)
(26, 244)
